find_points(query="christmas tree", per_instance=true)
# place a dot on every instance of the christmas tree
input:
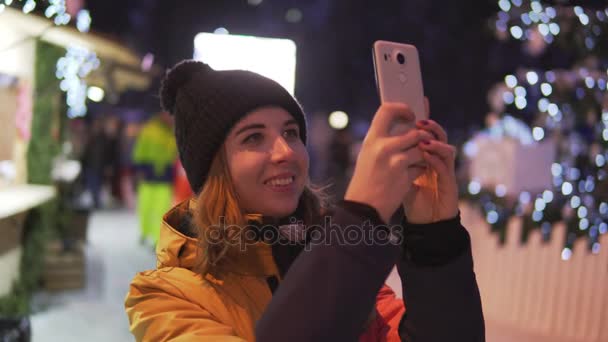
(555, 59)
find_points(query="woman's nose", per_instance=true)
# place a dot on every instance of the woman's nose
(281, 150)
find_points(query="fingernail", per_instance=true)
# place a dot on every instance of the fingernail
(424, 122)
(426, 142)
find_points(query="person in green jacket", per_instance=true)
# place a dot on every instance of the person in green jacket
(154, 156)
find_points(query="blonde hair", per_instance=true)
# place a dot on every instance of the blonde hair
(217, 210)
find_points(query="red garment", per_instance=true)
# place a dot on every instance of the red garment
(385, 328)
(182, 190)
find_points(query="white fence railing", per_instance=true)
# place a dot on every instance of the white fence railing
(530, 292)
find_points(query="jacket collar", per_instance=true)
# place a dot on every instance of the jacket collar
(176, 249)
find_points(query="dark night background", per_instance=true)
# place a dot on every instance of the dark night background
(334, 39)
(460, 56)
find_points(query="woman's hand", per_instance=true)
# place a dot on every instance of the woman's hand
(382, 175)
(434, 195)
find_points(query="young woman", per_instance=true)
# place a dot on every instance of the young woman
(257, 254)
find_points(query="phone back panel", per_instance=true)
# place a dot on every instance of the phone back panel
(398, 82)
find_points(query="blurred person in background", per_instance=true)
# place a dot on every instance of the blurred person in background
(94, 161)
(245, 258)
(154, 156)
(113, 129)
(339, 163)
(127, 172)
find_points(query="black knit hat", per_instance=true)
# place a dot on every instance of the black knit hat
(207, 103)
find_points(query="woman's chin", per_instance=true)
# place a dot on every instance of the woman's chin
(279, 207)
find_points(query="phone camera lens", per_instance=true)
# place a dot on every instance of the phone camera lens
(400, 58)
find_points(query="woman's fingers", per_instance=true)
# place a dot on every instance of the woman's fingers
(434, 128)
(386, 116)
(436, 163)
(445, 152)
(406, 141)
(406, 159)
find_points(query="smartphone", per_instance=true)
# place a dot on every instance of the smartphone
(399, 79)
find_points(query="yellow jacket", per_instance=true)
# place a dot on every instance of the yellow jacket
(174, 303)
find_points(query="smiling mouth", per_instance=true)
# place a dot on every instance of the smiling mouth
(281, 181)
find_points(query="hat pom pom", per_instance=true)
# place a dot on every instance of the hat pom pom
(176, 78)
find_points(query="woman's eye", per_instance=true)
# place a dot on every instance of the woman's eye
(292, 133)
(253, 138)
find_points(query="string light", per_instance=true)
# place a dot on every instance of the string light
(582, 212)
(566, 254)
(474, 187)
(552, 109)
(556, 169)
(543, 104)
(546, 88)
(516, 32)
(29, 6)
(539, 204)
(538, 133)
(583, 224)
(83, 21)
(510, 81)
(600, 160)
(532, 77)
(554, 29)
(603, 228)
(71, 70)
(504, 5)
(536, 7)
(566, 188)
(501, 190)
(520, 102)
(575, 202)
(589, 185)
(492, 217)
(603, 208)
(548, 196)
(58, 10)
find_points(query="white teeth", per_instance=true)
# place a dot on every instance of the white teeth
(281, 181)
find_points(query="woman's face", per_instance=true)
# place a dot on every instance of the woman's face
(268, 162)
